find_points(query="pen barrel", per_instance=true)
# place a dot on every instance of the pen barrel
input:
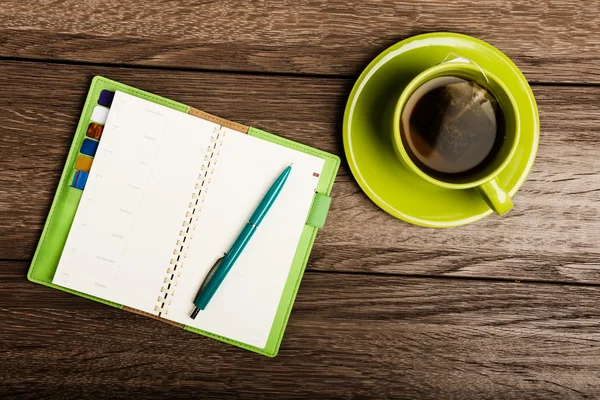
(208, 291)
(215, 281)
(270, 197)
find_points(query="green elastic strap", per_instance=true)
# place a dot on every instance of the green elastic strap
(318, 211)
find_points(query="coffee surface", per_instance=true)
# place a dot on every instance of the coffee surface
(452, 126)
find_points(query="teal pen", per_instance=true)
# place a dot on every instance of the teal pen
(221, 268)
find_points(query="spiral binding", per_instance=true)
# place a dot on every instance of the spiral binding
(189, 223)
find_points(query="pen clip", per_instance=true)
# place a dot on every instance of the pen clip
(209, 275)
(211, 272)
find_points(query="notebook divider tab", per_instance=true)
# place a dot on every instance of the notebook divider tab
(188, 225)
(90, 144)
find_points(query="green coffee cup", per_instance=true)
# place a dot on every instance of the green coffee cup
(485, 178)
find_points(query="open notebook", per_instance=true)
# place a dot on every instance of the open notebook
(166, 196)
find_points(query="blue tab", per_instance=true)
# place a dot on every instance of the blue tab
(106, 98)
(89, 147)
(79, 180)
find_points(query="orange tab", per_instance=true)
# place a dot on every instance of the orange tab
(94, 131)
(83, 163)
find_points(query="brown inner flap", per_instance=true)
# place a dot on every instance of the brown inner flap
(221, 121)
(133, 310)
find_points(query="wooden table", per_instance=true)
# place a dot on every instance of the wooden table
(504, 308)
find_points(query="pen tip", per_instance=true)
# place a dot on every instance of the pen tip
(292, 163)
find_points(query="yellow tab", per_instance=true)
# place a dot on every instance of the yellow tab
(83, 163)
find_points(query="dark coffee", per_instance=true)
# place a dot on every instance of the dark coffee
(452, 127)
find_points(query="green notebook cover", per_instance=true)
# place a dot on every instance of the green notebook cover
(66, 201)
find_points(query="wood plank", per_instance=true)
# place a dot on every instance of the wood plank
(552, 234)
(372, 336)
(551, 41)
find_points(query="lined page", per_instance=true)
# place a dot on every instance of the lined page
(134, 202)
(244, 307)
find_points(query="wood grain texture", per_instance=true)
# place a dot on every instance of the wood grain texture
(552, 41)
(349, 336)
(360, 327)
(553, 233)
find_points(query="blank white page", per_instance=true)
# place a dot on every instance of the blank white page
(134, 202)
(244, 307)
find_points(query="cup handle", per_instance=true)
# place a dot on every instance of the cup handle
(497, 197)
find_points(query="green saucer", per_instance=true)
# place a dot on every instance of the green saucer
(367, 131)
